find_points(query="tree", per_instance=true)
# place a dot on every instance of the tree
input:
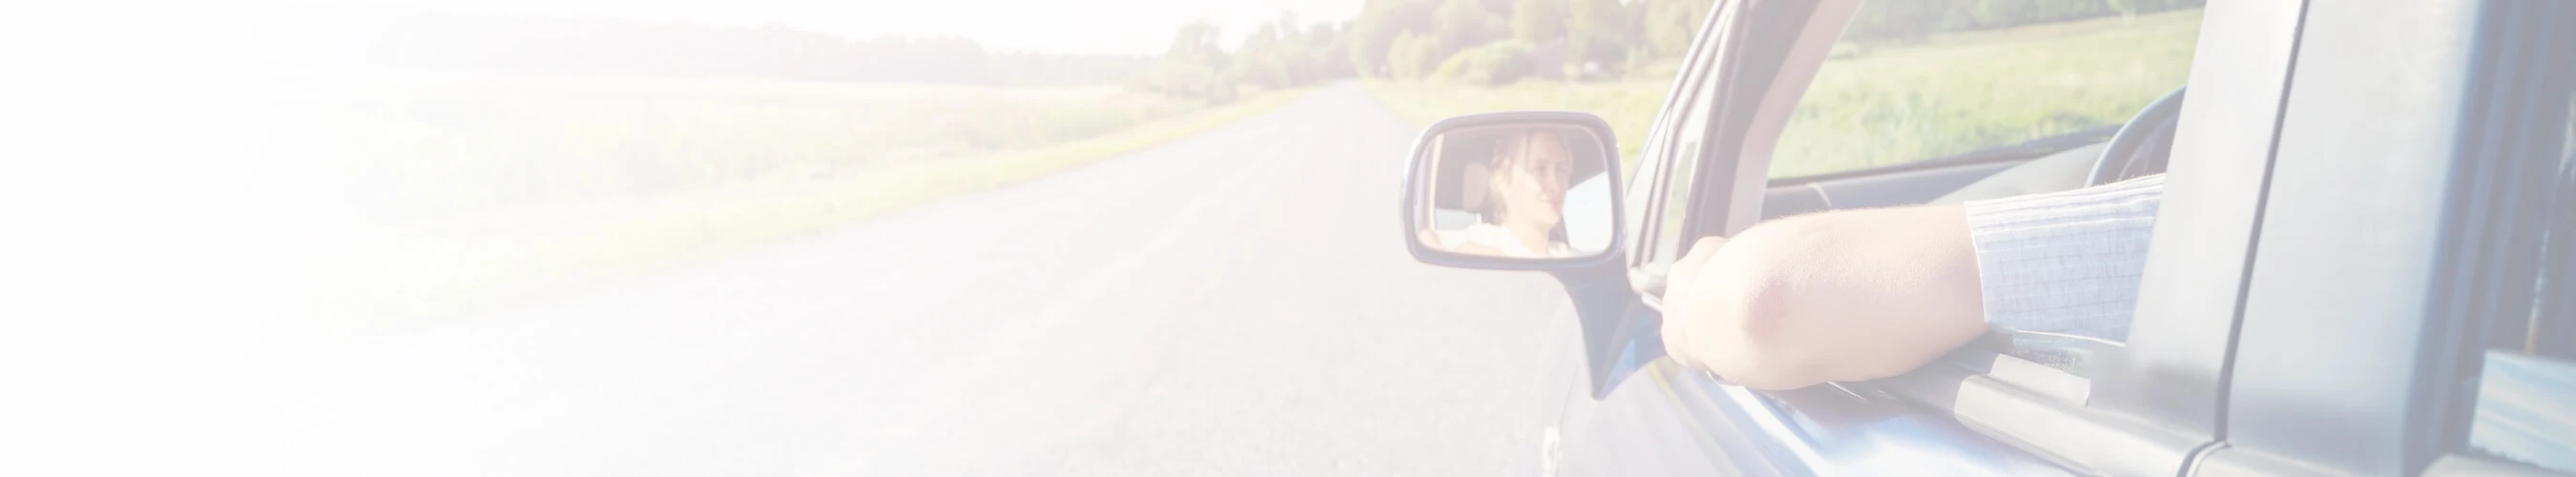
(1372, 36)
(1196, 43)
(1465, 23)
(1265, 59)
(1331, 48)
(1498, 63)
(1536, 21)
(1194, 66)
(1671, 24)
(1596, 32)
(1413, 55)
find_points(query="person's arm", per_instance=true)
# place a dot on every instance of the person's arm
(1838, 296)
(1428, 237)
(1865, 294)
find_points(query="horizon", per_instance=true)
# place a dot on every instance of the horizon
(1133, 27)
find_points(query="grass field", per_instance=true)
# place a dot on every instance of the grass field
(1629, 105)
(472, 193)
(442, 146)
(1881, 104)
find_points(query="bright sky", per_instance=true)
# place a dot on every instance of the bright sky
(1055, 26)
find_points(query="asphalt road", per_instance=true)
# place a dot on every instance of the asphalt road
(1236, 303)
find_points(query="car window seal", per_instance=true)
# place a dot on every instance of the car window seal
(2025, 150)
(2017, 403)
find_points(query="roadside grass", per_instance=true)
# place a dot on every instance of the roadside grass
(1628, 105)
(437, 242)
(435, 146)
(1877, 104)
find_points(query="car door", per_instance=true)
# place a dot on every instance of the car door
(2016, 405)
(2407, 307)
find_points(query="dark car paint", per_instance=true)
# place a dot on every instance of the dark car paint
(1663, 419)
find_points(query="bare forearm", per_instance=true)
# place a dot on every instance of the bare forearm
(1880, 292)
(1836, 296)
(1866, 294)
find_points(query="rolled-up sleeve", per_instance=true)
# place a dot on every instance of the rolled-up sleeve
(2065, 262)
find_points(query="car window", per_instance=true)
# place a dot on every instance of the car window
(2526, 403)
(1689, 135)
(1915, 80)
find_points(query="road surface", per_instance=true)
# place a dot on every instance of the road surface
(1235, 303)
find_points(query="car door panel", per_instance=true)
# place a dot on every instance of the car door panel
(1669, 420)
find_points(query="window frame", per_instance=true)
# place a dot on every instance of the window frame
(2112, 425)
(2352, 194)
(1691, 82)
(2173, 368)
(1647, 181)
(1746, 115)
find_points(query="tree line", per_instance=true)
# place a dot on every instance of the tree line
(1915, 19)
(1277, 54)
(1466, 41)
(1499, 41)
(538, 45)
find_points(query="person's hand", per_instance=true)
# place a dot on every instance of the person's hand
(1708, 308)
(1682, 290)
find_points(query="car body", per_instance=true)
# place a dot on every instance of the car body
(2360, 267)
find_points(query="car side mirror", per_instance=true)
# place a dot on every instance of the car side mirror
(1524, 190)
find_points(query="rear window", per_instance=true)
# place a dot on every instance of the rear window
(2526, 405)
(1917, 80)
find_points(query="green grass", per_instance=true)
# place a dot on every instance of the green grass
(1629, 106)
(438, 146)
(593, 182)
(1880, 104)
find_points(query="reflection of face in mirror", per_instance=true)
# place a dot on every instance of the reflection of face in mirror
(1527, 180)
(1507, 191)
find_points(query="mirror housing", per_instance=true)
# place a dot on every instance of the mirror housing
(1468, 174)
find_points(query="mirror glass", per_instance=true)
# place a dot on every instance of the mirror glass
(1517, 191)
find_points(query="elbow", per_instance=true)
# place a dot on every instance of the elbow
(1778, 350)
(1795, 339)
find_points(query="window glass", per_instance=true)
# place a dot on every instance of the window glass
(1916, 80)
(2526, 405)
(1690, 134)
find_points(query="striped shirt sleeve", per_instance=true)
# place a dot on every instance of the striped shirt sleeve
(2065, 262)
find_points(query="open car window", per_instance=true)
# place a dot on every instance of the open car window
(1887, 100)
(1683, 155)
(2147, 404)
(1911, 81)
